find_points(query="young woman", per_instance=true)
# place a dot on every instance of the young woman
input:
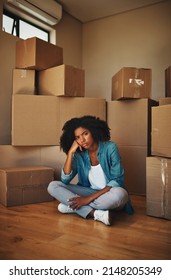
(96, 160)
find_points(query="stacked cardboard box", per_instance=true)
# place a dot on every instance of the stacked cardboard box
(37, 54)
(129, 117)
(46, 93)
(159, 165)
(24, 81)
(131, 82)
(164, 100)
(38, 120)
(63, 80)
(130, 123)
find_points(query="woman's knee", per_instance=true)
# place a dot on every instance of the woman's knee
(52, 186)
(120, 195)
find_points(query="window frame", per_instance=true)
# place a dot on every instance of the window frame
(17, 20)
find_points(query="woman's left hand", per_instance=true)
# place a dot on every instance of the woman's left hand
(78, 201)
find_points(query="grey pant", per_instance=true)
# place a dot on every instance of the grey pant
(115, 198)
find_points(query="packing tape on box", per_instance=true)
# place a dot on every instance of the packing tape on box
(164, 185)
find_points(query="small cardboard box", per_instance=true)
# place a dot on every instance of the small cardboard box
(24, 81)
(131, 82)
(130, 121)
(168, 82)
(35, 120)
(34, 53)
(158, 178)
(161, 131)
(63, 80)
(134, 163)
(24, 185)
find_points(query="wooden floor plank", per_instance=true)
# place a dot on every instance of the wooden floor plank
(38, 231)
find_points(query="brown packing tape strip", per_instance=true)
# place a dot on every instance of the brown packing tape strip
(164, 185)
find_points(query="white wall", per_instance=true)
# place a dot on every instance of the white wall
(139, 38)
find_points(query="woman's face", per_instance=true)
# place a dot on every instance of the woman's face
(84, 138)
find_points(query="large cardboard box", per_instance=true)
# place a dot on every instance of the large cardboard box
(34, 53)
(38, 120)
(24, 185)
(131, 82)
(35, 120)
(134, 163)
(158, 199)
(161, 130)
(168, 82)
(164, 101)
(24, 81)
(71, 107)
(63, 80)
(130, 121)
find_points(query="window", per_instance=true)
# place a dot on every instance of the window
(21, 28)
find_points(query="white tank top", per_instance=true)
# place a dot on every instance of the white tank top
(97, 177)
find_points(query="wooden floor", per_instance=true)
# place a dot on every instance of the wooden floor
(38, 231)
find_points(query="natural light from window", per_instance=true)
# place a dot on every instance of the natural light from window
(25, 29)
(8, 24)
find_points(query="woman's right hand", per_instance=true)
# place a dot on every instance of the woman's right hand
(74, 147)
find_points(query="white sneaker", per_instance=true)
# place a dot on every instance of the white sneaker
(102, 216)
(65, 208)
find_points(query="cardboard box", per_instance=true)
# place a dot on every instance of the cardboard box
(130, 121)
(35, 120)
(131, 82)
(164, 101)
(34, 53)
(134, 163)
(38, 120)
(71, 107)
(24, 81)
(63, 80)
(158, 200)
(51, 156)
(168, 82)
(161, 131)
(24, 185)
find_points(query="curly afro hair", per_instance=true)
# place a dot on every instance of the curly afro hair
(98, 128)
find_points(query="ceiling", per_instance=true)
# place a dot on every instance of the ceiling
(88, 10)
